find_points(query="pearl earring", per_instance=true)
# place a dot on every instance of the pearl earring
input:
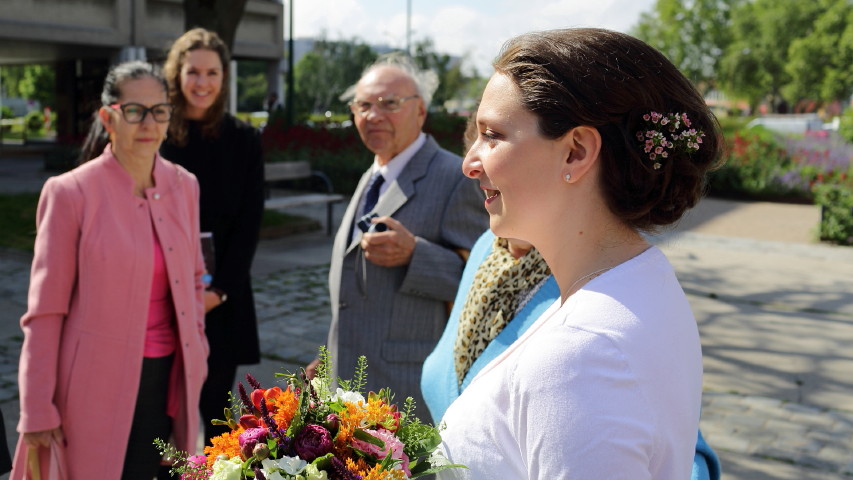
(568, 177)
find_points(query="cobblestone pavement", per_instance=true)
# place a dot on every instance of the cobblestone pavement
(293, 309)
(293, 313)
(13, 298)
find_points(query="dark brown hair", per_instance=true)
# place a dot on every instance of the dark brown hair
(98, 138)
(609, 80)
(197, 38)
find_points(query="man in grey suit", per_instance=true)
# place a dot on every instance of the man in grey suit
(390, 290)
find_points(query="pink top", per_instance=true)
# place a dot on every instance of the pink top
(160, 338)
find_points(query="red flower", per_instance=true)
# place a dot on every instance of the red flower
(269, 395)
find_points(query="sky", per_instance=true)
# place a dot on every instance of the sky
(472, 29)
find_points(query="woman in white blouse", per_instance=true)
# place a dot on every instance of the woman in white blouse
(587, 138)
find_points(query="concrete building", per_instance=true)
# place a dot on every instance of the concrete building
(82, 38)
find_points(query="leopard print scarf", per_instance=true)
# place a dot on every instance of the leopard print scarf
(501, 286)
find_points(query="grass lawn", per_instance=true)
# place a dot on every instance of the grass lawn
(17, 220)
(18, 224)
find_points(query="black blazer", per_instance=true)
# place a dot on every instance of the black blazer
(230, 173)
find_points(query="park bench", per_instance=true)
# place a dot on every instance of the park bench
(281, 171)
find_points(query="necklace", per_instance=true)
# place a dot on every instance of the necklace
(587, 277)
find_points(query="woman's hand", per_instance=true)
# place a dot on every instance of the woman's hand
(42, 438)
(211, 300)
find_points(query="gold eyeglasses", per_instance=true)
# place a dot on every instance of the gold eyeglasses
(135, 113)
(389, 105)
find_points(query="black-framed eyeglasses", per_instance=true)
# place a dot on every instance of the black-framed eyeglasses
(135, 113)
(389, 104)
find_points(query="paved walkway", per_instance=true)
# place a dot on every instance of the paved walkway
(775, 318)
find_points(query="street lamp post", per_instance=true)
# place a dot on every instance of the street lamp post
(288, 106)
(409, 27)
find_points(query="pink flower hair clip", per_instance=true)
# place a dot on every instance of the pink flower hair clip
(664, 134)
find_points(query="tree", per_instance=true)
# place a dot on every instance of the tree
(693, 34)
(220, 16)
(821, 62)
(754, 65)
(251, 85)
(31, 82)
(451, 80)
(325, 72)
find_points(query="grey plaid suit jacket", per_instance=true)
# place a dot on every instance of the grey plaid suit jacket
(395, 316)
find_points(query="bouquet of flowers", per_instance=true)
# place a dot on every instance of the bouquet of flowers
(306, 431)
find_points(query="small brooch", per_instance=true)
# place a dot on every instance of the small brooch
(664, 134)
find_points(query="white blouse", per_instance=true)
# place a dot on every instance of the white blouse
(605, 386)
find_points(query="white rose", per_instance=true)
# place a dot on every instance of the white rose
(351, 397)
(227, 469)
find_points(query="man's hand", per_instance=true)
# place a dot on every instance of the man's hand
(311, 369)
(391, 248)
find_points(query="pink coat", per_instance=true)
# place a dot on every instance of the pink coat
(87, 310)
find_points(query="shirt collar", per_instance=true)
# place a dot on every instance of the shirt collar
(392, 170)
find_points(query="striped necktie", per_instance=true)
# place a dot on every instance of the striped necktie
(372, 195)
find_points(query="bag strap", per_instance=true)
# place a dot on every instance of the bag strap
(57, 461)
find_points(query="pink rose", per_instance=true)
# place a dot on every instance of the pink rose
(250, 438)
(392, 445)
(197, 463)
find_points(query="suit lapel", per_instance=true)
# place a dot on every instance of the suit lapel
(403, 189)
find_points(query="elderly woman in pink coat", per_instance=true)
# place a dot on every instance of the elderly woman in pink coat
(114, 354)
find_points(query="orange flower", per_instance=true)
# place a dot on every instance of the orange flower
(376, 473)
(227, 443)
(284, 407)
(362, 469)
(361, 415)
(357, 466)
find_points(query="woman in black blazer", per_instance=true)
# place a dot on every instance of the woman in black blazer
(225, 155)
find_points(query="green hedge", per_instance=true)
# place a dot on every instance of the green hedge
(339, 152)
(836, 219)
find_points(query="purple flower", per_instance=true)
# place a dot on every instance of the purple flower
(332, 422)
(312, 441)
(244, 397)
(250, 438)
(252, 381)
(342, 471)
